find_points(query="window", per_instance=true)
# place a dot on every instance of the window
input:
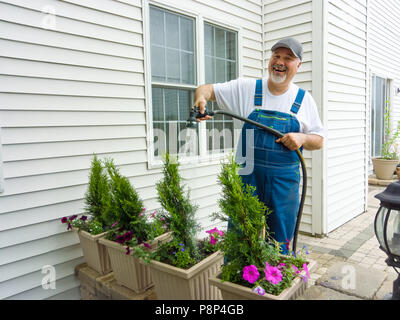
(173, 74)
(1, 167)
(379, 95)
(175, 48)
(220, 48)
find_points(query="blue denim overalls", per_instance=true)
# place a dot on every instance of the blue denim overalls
(276, 173)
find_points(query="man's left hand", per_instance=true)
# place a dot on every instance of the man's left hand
(295, 140)
(292, 140)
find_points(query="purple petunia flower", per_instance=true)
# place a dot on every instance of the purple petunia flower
(120, 239)
(128, 250)
(128, 236)
(259, 290)
(147, 245)
(83, 218)
(69, 226)
(64, 219)
(73, 217)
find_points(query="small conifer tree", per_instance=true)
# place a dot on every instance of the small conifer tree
(181, 211)
(244, 241)
(97, 192)
(126, 205)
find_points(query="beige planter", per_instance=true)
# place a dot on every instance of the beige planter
(231, 291)
(95, 253)
(384, 169)
(128, 271)
(172, 283)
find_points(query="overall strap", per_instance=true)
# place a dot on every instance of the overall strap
(258, 94)
(297, 102)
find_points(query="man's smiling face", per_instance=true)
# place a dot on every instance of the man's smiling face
(283, 66)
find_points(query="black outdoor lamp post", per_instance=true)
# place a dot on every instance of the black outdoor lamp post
(387, 229)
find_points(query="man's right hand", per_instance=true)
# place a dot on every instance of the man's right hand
(203, 94)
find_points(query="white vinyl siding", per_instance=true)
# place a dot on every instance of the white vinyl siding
(294, 19)
(71, 90)
(347, 110)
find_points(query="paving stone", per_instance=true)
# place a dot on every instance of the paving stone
(386, 290)
(352, 279)
(322, 293)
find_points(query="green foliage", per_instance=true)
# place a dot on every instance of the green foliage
(389, 147)
(181, 216)
(244, 243)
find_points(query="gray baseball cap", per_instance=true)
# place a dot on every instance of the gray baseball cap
(291, 44)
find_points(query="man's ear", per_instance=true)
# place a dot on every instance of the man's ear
(299, 64)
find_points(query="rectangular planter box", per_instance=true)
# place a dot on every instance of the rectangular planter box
(95, 253)
(172, 283)
(232, 291)
(128, 271)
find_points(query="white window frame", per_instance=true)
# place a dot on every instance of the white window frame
(389, 85)
(204, 158)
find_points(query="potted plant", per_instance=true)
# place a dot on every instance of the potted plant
(180, 267)
(133, 236)
(254, 267)
(385, 166)
(93, 225)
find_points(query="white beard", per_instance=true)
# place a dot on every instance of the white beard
(277, 79)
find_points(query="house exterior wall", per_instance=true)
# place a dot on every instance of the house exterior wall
(346, 105)
(384, 53)
(73, 83)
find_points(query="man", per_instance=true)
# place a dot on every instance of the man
(282, 105)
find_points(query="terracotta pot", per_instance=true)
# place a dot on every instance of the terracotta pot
(95, 253)
(172, 283)
(128, 271)
(232, 291)
(384, 169)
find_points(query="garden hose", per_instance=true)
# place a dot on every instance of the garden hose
(195, 114)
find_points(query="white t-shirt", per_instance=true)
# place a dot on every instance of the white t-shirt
(237, 96)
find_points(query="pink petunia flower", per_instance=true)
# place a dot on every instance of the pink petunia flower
(250, 273)
(287, 244)
(295, 269)
(272, 274)
(114, 224)
(213, 240)
(215, 230)
(306, 270)
(211, 231)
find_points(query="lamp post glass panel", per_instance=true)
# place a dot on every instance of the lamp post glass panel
(387, 229)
